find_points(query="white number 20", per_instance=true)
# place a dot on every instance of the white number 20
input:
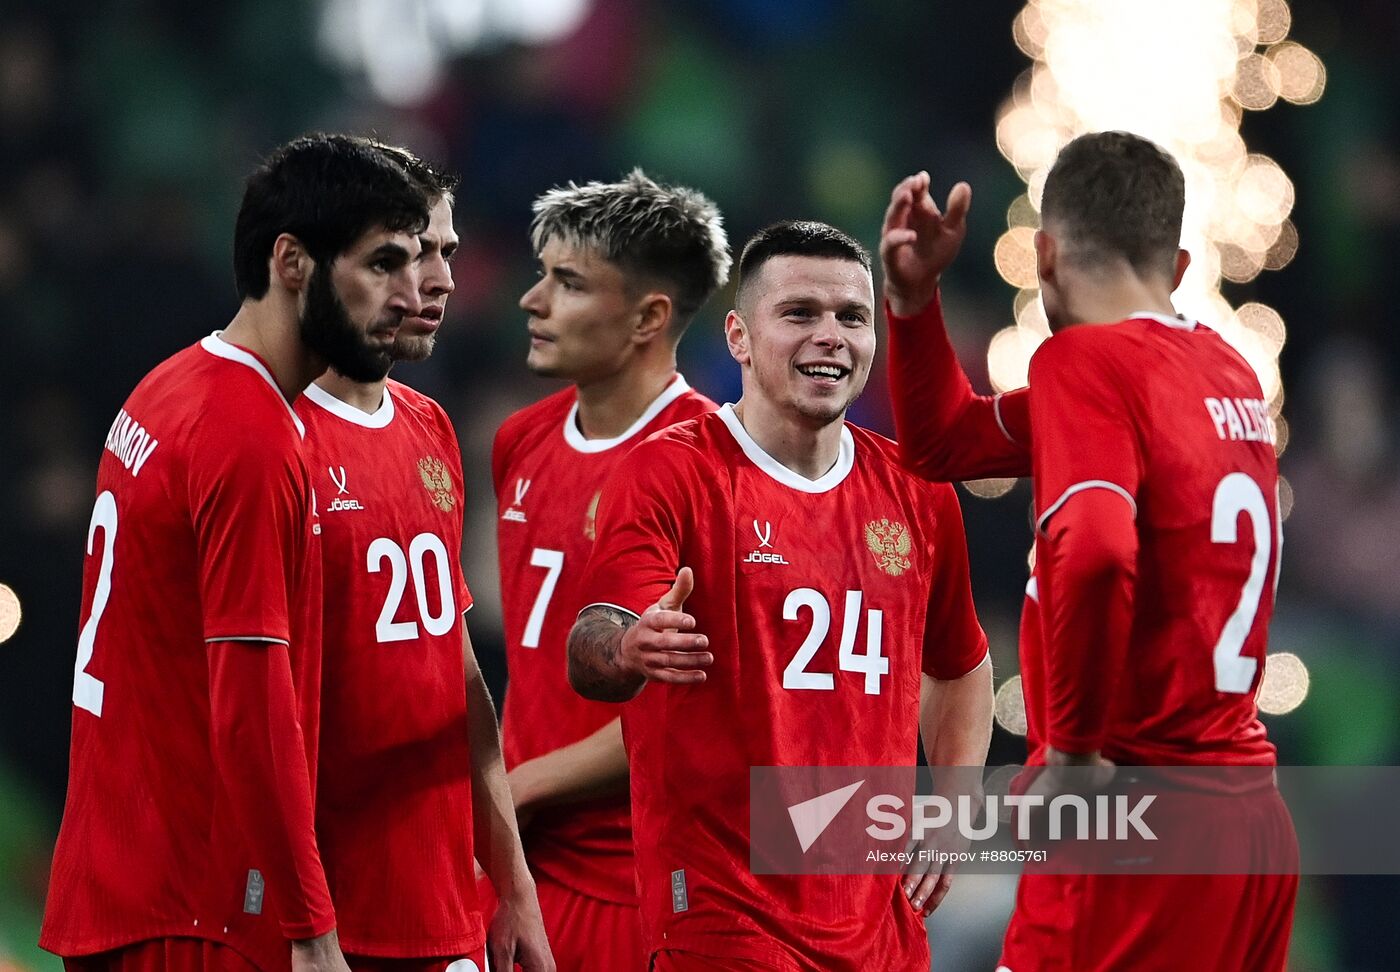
(1236, 494)
(871, 663)
(386, 629)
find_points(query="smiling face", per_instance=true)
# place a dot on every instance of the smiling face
(582, 315)
(418, 333)
(352, 309)
(804, 333)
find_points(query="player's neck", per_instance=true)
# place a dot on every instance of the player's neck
(367, 396)
(1107, 302)
(270, 331)
(807, 449)
(609, 407)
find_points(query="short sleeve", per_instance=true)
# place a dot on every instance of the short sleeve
(1085, 433)
(954, 643)
(639, 529)
(251, 499)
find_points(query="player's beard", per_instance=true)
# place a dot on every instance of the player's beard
(327, 329)
(412, 347)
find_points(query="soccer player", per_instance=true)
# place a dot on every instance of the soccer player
(624, 267)
(742, 558)
(187, 839)
(396, 802)
(1157, 538)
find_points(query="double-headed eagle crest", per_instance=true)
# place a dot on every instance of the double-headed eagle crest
(889, 541)
(437, 482)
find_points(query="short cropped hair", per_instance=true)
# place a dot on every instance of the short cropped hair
(672, 234)
(436, 181)
(1116, 195)
(327, 191)
(798, 237)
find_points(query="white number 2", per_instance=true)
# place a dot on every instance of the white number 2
(88, 689)
(871, 662)
(386, 629)
(1236, 494)
(553, 562)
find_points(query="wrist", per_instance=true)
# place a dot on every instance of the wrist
(911, 303)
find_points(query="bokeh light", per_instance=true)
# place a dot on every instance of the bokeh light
(989, 488)
(1285, 684)
(1228, 56)
(1009, 706)
(10, 613)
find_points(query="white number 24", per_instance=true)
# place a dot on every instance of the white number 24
(872, 663)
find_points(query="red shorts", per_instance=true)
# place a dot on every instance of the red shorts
(475, 962)
(669, 960)
(164, 955)
(1150, 923)
(586, 934)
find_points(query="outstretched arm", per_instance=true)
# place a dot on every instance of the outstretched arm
(946, 431)
(612, 653)
(594, 766)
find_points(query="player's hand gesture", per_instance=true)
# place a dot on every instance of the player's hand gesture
(516, 937)
(320, 954)
(918, 242)
(658, 646)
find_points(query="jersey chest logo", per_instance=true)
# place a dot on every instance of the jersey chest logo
(437, 482)
(758, 555)
(890, 544)
(341, 500)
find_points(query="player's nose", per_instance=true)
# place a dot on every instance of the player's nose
(405, 297)
(533, 302)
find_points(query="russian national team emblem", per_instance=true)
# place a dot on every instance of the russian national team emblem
(889, 541)
(436, 481)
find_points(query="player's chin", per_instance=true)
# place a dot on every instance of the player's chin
(413, 347)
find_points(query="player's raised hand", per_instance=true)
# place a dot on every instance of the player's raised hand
(918, 241)
(660, 646)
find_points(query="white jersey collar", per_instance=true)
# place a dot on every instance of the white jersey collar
(219, 348)
(574, 437)
(377, 419)
(833, 477)
(1180, 323)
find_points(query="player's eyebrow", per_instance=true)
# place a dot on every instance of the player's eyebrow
(392, 253)
(567, 274)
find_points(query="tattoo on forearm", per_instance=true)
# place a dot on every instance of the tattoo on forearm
(593, 649)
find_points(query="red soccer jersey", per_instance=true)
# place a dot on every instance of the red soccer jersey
(1167, 415)
(548, 478)
(203, 531)
(394, 808)
(823, 602)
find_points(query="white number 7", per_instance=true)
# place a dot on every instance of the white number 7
(553, 561)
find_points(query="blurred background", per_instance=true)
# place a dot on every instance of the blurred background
(127, 127)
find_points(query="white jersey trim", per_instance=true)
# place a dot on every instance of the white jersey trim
(996, 411)
(574, 437)
(219, 348)
(1081, 487)
(263, 638)
(845, 458)
(609, 604)
(377, 419)
(986, 660)
(1180, 323)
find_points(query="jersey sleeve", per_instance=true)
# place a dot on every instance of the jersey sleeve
(1086, 429)
(954, 643)
(250, 501)
(640, 530)
(946, 431)
(1088, 465)
(453, 448)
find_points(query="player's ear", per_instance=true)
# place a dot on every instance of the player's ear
(1183, 260)
(736, 335)
(655, 315)
(1046, 254)
(290, 264)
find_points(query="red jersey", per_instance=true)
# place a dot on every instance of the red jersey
(1167, 414)
(548, 478)
(394, 806)
(823, 601)
(203, 531)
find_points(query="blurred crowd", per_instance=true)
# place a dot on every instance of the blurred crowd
(126, 129)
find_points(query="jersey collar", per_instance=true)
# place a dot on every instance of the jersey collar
(574, 437)
(833, 477)
(219, 348)
(1180, 323)
(377, 419)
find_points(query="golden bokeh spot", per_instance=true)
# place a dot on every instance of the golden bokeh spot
(1285, 684)
(1009, 357)
(1285, 499)
(1281, 432)
(1284, 249)
(989, 488)
(1010, 707)
(1022, 212)
(10, 613)
(1257, 83)
(1272, 19)
(1015, 257)
(1302, 75)
(1264, 321)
